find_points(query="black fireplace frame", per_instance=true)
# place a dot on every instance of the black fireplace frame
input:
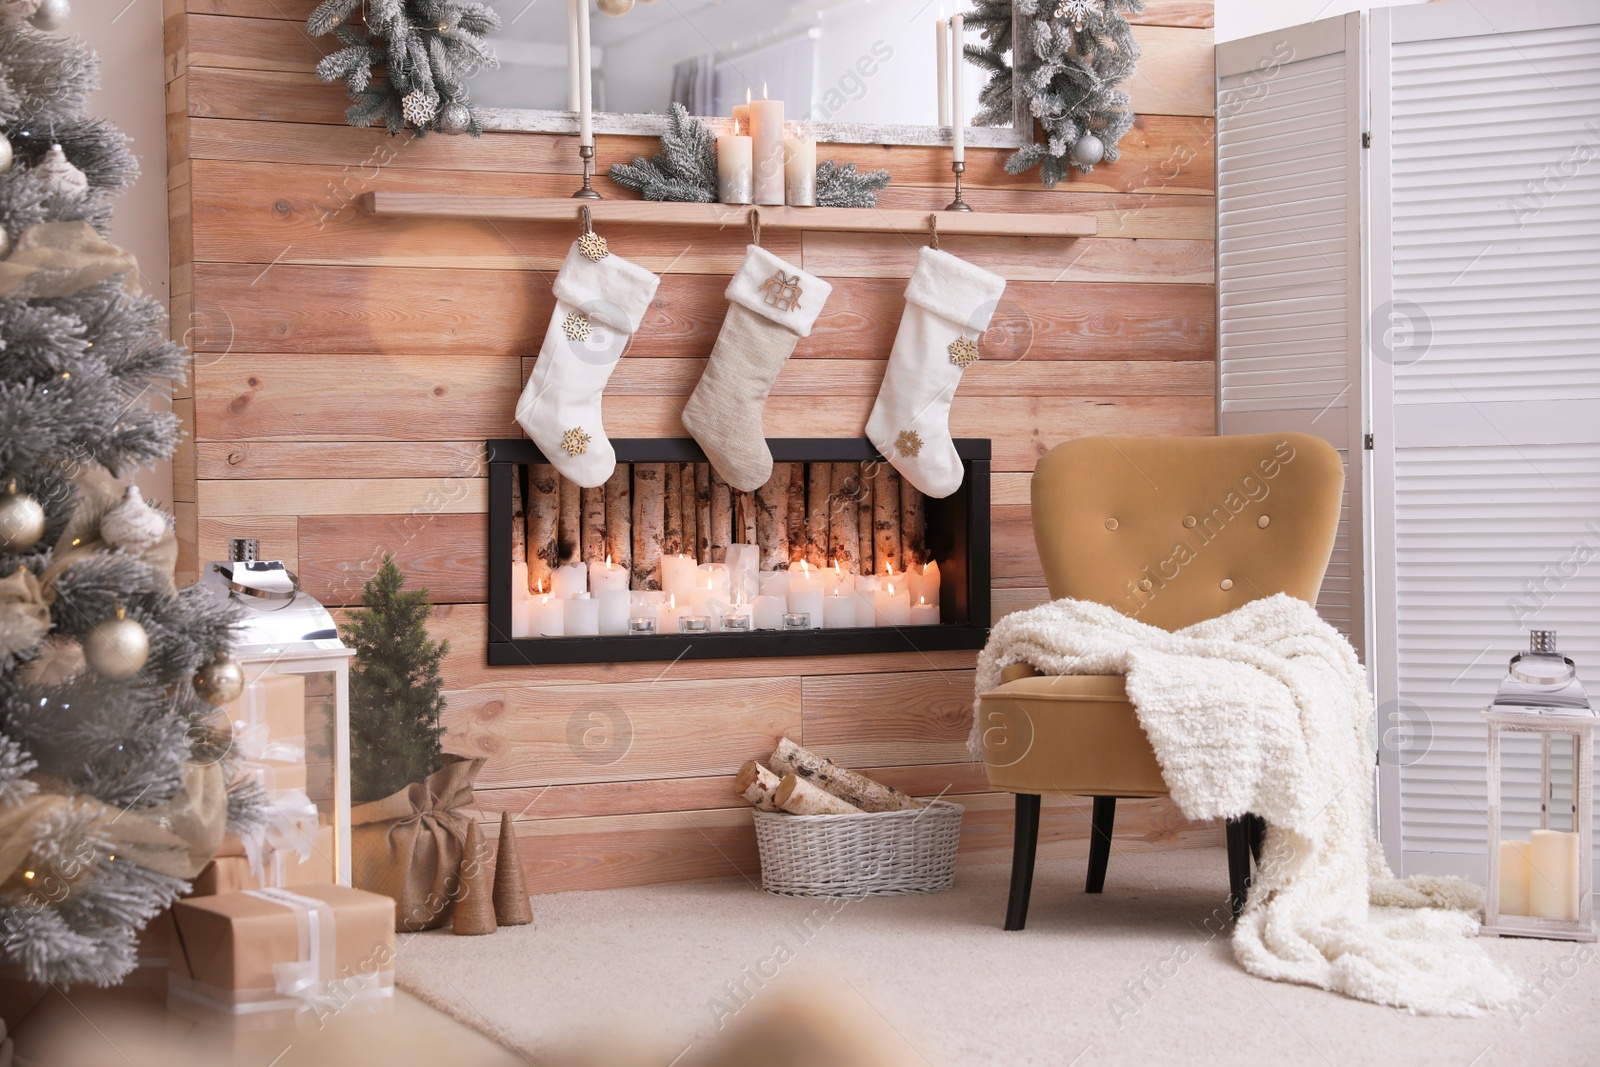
(958, 538)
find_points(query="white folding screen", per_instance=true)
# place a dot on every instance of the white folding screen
(1485, 261)
(1289, 307)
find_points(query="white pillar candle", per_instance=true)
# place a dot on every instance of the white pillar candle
(652, 598)
(710, 583)
(1514, 869)
(735, 170)
(744, 570)
(766, 612)
(891, 604)
(616, 607)
(838, 611)
(766, 134)
(607, 575)
(582, 615)
(957, 117)
(669, 614)
(585, 78)
(736, 612)
(741, 115)
(574, 93)
(1553, 875)
(837, 578)
(521, 601)
(805, 594)
(549, 615)
(924, 584)
(774, 583)
(569, 579)
(677, 576)
(800, 172)
(941, 35)
(924, 613)
(637, 613)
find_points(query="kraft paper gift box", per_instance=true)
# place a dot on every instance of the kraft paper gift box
(231, 874)
(264, 958)
(275, 776)
(276, 700)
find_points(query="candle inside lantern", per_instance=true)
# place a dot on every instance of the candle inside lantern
(766, 612)
(924, 613)
(616, 607)
(891, 604)
(766, 134)
(607, 575)
(839, 611)
(800, 171)
(1553, 875)
(549, 616)
(678, 575)
(735, 169)
(805, 591)
(1514, 870)
(582, 615)
(569, 579)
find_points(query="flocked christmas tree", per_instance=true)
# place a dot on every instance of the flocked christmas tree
(112, 775)
(396, 691)
(1078, 54)
(406, 62)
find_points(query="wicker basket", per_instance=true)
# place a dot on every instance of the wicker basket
(875, 854)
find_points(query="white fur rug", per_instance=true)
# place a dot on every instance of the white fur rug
(1266, 710)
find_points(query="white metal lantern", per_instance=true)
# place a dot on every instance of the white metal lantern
(293, 719)
(1541, 886)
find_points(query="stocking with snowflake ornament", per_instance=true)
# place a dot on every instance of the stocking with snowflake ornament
(600, 300)
(771, 305)
(948, 306)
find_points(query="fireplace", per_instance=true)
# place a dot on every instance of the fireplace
(952, 532)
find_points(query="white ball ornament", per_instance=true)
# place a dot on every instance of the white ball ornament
(1088, 151)
(60, 178)
(615, 8)
(52, 15)
(6, 155)
(132, 524)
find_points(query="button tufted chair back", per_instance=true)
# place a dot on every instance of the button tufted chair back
(1175, 530)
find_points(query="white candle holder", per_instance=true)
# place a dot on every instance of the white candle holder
(641, 626)
(797, 620)
(694, 624)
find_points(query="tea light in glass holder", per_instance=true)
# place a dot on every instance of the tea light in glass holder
(694, 624)
(736, 624)
(797, 620)
(641, 625)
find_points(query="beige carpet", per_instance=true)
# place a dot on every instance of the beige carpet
(1134, 976)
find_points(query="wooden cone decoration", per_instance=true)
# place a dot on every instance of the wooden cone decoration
(474, 895)
(511, 904)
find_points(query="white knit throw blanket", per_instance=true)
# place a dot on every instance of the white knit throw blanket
(1265, 710)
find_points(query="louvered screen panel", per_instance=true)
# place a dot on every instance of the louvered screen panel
(1288, 258)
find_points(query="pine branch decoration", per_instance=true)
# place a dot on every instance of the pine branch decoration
(844, 187)
(685, 170)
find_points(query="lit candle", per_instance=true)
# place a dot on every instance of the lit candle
(569, 580)
(694, 624)
(926, 584)
(736, 618)
(1514, 869)
(735, 171)
(710, 583)
(800, 172)
(941, 35)
(678, 575)
(838, 611)
(805, 591)
(549, 615)
(797, 620)
(767, 611)
(642, 625)
(924, 614)
(741, 114)
(766, 134)
(616, 607)
(957, 118)
(585, 78)
(521, 601)
(1553, 875)
(836, 579)
(891, 605)
(574, 93)
(743, 569)
(607, 575)
(582, 615)
(670, 613)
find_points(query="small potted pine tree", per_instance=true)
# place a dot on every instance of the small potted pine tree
(408, 837)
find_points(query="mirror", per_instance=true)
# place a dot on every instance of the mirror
(861, 70)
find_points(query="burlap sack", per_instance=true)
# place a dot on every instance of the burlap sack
(408, 845)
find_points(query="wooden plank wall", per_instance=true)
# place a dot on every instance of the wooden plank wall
(348, 369)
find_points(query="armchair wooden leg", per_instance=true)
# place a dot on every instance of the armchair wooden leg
(1239, 835)
(1024, 846)
(1258, 836)
(1100, 825)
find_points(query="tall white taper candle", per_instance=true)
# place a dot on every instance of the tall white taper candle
(941, 34)
(585, 78)
(958, 116)
(574, 93)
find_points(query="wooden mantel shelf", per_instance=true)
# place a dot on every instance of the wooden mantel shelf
(865, 220)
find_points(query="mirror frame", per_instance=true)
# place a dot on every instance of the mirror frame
(1018, 134)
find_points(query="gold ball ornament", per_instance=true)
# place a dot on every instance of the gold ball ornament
(615, 8)
(21, 520)
(117, 647)
(219, 680)
(6, 154)
(52, 15)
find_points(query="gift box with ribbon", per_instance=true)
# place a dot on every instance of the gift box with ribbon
(232, 874)
(264, 958)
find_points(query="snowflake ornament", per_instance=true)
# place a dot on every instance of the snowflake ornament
(1077, 11)
(593, 246)
(909, 443)
(418, 108)
(575, 442)
(576, 326)
(963, 351)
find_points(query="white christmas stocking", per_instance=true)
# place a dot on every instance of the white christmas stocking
(948, 305)
(771, 306)
(600, 300)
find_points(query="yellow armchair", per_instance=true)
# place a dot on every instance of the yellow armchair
(1169, 531)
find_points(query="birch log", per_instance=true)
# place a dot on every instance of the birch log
(593, 530)
(797, 513)
(721, 520)
(772, 519)
(844, 541)
(691, 509)
(702, 512)
(819, 486)
(544, 518)
(619, 516)
(864, 519)
(647, 522)
(756, 784)
(671, 509)
(859, 790)
(886, 520)
(797, 796)
(913, 526)
(569, 534)
(519, 519)
(744, 518)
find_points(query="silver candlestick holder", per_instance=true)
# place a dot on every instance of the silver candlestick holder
(958, 204)
(586, 153)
